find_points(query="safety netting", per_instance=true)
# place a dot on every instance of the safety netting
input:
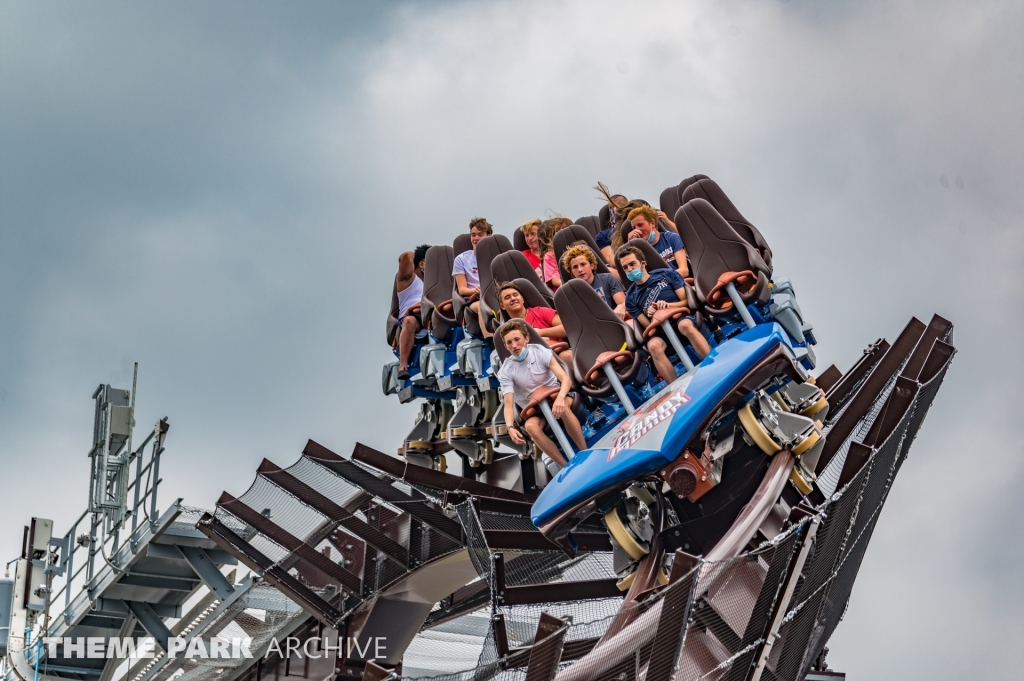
(720, 620)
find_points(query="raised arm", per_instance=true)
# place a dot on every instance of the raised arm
(406, 270)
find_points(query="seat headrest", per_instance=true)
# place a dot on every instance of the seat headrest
(499, 343)
(707, 189)
(591, 327)
(437, 276)
(487, 249)
(592, 223)
(570, 235)
(713, 246)
(513, 265)
(519, 240)
(669, 200)
(654, 261)
(462, 244)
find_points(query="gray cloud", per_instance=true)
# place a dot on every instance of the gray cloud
(220, 191)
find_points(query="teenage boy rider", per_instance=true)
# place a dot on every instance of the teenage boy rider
(544, 320)
(466, 273)
(658, 290)
(410, 291)
(581, 262)
(669, 246)
(532, 366)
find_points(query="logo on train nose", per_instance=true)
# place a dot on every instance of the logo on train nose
(642, 423)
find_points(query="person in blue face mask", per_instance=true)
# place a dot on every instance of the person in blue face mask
(644, 221)
(531, 367)
(650, 292)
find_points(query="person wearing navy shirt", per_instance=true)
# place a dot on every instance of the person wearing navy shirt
(653, 291)
(644, 221)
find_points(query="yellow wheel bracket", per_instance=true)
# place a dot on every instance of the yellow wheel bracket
(808, 442)
(816, 407)
(621, 534)
(799, 481)
(626, 582)
(757, 432)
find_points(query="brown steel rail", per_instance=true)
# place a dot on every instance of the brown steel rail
(309, 496)
(419, 508)
(861, 401)
(224, 537)
(279, 535)
(419, 475)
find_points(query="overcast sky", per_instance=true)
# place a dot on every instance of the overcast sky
(219, 191)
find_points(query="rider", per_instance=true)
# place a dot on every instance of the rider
(604, 237)
(544, 320)
(532, 366)
(533, 253)
(653, 291)
(410, 291)
(669, 246)
(465, 271)
(579, 260)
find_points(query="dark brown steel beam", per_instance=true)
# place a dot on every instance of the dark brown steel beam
(290, 542)
(861, 402)
(307, 495)
(937, 358)
(937, 330)
(224, 537)
(547, 648)
(675, 610)
(828, 378)
(839, 392)
(856, 458)
(383, 489)
(526, 540)
(896, 405)
(424, 476)
(583, 590)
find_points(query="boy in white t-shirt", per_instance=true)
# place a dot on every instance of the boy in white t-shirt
(466, 273)
(532, 366)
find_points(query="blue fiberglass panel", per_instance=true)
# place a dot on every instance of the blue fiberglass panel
(656, 433)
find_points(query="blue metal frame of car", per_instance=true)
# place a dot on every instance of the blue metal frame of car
(654, 435)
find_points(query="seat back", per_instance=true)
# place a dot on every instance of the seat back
(392, 326)
(591, 223)
(462, 244)
(569, 236)
(669, 200)
(591, 327)
(513, 265)
(519, 240)
(713, 246)
(437, 290)
(604, 218)
(707, 189)
(654, 261)
(499, 344)
(487, 250)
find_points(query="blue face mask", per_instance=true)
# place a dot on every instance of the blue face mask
(522, 355)
(635, 275)
(652, 236)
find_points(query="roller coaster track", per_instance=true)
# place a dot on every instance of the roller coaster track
(420, 548)
(368, 547)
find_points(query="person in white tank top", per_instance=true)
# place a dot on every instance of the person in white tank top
(409, 282)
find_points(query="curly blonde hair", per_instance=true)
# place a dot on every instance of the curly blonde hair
(575, 251)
